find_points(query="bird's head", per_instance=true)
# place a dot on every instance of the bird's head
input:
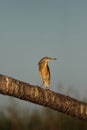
(46, 59)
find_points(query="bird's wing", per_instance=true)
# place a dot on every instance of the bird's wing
(48, 74)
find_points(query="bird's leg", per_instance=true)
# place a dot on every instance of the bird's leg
(41, 85)
(46, 88)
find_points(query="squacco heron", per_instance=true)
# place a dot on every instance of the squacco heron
(45, 71)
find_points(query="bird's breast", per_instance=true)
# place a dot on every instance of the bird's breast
(43, 69)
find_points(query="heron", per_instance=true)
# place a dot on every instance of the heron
(45, 71)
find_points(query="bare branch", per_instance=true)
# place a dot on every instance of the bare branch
(45, 97)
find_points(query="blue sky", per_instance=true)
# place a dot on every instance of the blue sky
(30, 30)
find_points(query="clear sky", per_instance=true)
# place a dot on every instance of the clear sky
(32, 29)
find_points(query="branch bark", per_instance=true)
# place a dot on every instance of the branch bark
(48, 98)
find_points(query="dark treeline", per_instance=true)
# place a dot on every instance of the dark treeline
(15, 118)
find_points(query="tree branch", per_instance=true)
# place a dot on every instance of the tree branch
(48, 98)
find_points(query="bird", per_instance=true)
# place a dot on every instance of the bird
(44, 71)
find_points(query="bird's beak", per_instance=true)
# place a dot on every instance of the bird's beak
(53, 58)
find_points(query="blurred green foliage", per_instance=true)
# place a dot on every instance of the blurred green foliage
(15, 118)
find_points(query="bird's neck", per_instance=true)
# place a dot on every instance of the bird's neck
(44, 64)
